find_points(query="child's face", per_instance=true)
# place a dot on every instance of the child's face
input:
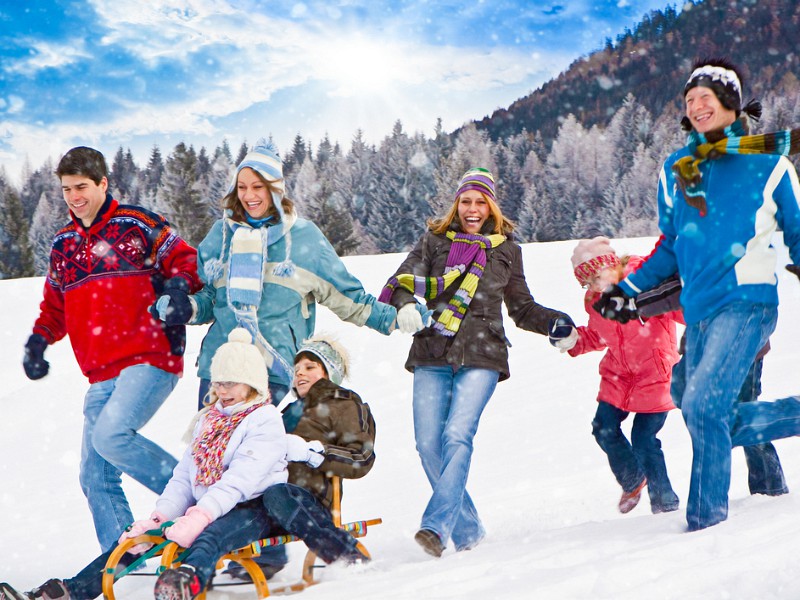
(604, 279)
(307, 373)
(230, 393)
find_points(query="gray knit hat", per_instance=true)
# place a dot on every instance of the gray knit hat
(333, 356)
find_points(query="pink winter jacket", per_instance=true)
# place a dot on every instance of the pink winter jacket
(635, 373)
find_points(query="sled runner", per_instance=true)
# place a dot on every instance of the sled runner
(170, 554)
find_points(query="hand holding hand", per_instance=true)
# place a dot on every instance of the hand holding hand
(186, 528)
(141, 527)
(34, 363)
(299, 450)
(409, 318)
(174, 306)
(562, 333)
(616, 305)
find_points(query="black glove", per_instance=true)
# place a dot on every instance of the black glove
(173, 306)
(794, 269)
(562, 333)
(34, 363)
(616, 305)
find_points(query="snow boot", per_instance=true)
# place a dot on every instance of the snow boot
(430, 542)
(178, 584)
(52, 589)
(629, 500)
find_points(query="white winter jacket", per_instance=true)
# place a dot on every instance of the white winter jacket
(254, 459)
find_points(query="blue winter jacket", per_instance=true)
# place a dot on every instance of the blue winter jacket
(287, 313)
(726, 255)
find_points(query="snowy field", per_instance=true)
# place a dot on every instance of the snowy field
(540, 482)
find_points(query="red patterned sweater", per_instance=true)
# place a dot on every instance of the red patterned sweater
(101, 283)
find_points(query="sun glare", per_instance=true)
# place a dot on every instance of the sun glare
(358, 66)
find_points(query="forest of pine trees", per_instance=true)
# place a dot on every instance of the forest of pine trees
(373, 199)
(587, 165)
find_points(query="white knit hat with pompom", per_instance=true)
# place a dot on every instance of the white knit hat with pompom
(241, 362)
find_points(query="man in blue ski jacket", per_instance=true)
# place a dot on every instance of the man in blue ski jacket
(720, 199)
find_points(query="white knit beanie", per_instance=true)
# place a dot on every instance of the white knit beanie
(241, 362)
(592, 256)
(332, 355)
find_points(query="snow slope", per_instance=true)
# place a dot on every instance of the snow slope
(542, 485)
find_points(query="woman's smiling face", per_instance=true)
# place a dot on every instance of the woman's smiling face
(473, 210)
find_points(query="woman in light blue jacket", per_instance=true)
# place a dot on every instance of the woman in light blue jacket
(264, 268)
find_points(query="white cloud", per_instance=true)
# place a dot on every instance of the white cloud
(45, 55)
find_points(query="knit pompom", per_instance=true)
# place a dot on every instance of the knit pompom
(240, 335)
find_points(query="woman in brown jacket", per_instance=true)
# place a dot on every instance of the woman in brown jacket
(465, 266)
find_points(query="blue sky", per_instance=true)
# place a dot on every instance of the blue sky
(133, 73)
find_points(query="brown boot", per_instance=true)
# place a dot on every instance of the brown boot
(630, 499)
(430, 542)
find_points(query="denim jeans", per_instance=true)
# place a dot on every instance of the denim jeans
(295, 510)
(273, 555)
(114, 411)
(642, 457)
(447, 408)
(244, 524)
(764, 470)
(719, 353)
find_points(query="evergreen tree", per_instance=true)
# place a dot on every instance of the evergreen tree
(219, 180)
(179, 196)
(150, 179)
(242, 152)
(48, 218)
(123, 178)
(295, 157)
(16, 256)
(397, 206)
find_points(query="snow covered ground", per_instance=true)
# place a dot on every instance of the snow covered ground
(540, 482)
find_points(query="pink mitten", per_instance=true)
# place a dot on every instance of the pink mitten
(140, 527)
(186, 528)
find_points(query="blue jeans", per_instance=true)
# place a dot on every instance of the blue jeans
(447, 409)
(297, 511)
(714, 377)
(244, 524)
(642, 457)
(764, 470)
(114, 410)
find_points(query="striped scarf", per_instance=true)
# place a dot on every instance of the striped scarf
(731, 140)
(248, 255)
(467, 255)
(209, 446)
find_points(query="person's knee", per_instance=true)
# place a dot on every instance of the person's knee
(110, 441)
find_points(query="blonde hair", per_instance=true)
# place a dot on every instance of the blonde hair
(502, 224)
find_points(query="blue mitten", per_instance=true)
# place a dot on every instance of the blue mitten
(562, 333)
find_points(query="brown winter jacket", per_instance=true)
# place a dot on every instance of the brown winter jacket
(481, 341)
(343, 423)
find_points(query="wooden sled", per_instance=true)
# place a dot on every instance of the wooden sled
(170, 554)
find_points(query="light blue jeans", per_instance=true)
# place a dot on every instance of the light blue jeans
(447, 409)
(114, 410)
(719, 353)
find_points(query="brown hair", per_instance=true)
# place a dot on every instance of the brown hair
(501, 224)
(231, 201)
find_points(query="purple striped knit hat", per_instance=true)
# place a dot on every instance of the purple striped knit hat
(477, 179)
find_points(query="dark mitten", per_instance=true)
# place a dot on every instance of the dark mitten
(616, 305)
(794, 269)
(34, 363)
(174, 306)
(562, 333)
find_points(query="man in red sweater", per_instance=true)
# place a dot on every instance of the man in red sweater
(107, 267)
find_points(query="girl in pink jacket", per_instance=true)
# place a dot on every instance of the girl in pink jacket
(634, 378)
